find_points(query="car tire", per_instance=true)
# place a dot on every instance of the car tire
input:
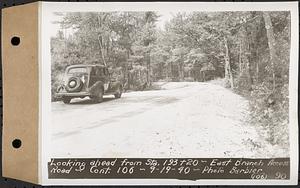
(118, 94)
(66, 100)
(99, 97)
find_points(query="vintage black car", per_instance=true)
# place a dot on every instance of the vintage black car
(93, 81)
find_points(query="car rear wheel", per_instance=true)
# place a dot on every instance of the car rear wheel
(118, 93)
(99, 97)
(66, 100)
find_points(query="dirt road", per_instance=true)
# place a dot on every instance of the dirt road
(182, 120)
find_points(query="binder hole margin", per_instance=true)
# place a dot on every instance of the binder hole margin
(16, 143)
(15, 41)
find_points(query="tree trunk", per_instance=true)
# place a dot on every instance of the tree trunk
(240, 56)
(228, 72)
(167, 71)
(171, 71)
(148, 69)
(180, 71)
(101, 49)
(257, 66)
(245, 78)
(271, 44)
(128, 67)
(100, 41)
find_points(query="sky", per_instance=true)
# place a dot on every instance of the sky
(163, 19)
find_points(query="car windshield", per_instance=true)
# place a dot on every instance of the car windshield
(77, 70)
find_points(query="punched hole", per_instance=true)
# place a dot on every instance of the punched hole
(15, 41)
(16, 143)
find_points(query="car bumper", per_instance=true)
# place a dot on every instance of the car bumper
(77, 94)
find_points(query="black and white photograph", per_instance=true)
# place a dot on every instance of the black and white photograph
(172, 83)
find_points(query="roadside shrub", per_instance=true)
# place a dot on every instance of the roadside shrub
(243, 82)
(269, 111)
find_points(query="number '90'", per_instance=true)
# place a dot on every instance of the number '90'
(280, 175)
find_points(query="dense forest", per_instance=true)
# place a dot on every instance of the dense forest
(248, 50)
